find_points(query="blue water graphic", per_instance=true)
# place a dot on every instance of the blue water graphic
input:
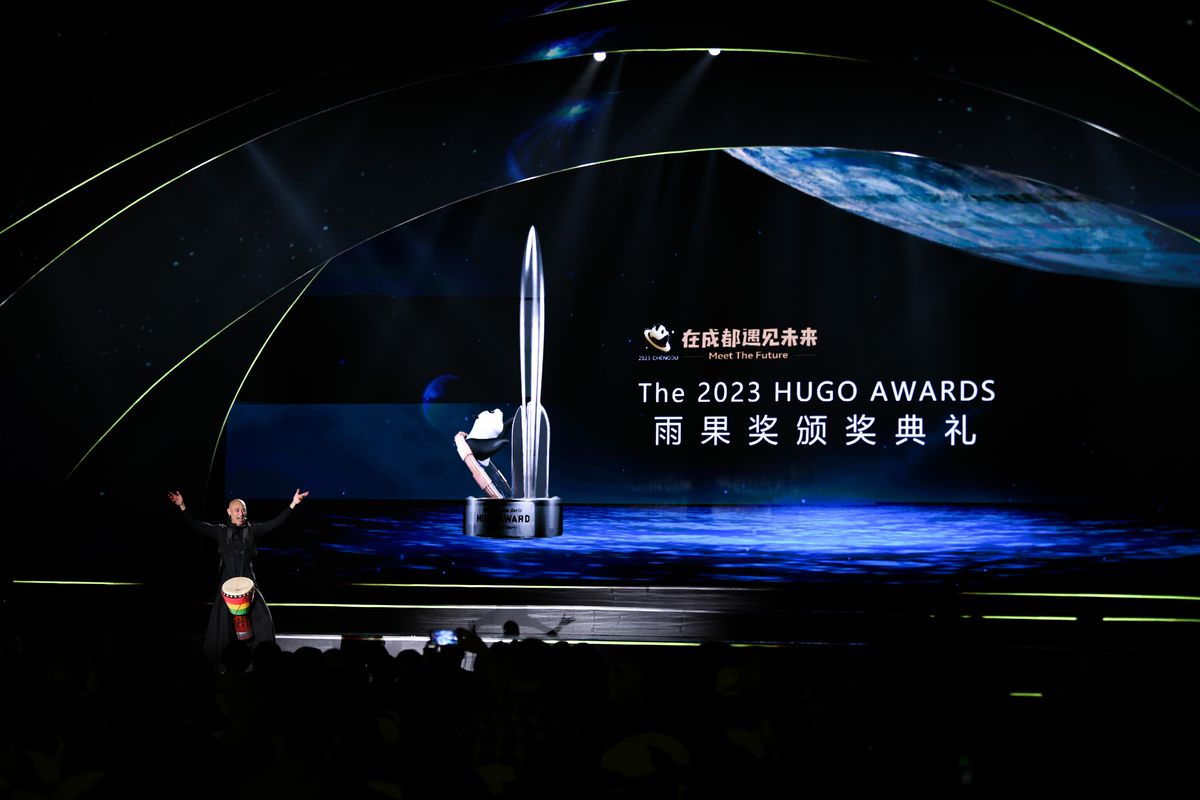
(732, 544)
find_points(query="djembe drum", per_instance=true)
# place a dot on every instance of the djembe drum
(239, 595)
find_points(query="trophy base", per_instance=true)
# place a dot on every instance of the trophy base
(508, 518)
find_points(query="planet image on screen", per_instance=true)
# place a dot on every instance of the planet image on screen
(442, 405)
(992, 214)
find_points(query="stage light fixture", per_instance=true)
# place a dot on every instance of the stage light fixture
(600, 56)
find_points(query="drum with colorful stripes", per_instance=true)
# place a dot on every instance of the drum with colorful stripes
(239, 594)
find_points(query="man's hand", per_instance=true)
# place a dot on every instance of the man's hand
(177, 499)
(299, 496)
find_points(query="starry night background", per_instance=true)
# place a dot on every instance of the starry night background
(374, 247)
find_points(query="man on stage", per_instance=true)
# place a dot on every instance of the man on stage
(237, 543)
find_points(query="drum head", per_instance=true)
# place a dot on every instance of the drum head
(236, 587)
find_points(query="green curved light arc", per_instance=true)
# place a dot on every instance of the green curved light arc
(584, 7)
(109, 219)
(1099, 52)
(253, 361)
(1180, 231)
(181, 362)
(132, 156)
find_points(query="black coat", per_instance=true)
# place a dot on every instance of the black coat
(237, 546)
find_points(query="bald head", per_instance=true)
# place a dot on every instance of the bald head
(237, 512)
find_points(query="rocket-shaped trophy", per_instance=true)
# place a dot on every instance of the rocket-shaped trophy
(530, 511)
